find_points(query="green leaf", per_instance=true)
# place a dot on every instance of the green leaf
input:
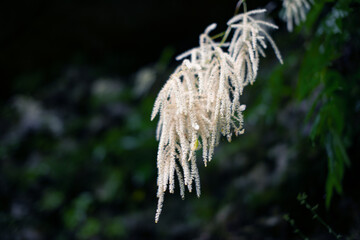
(340, 149)
(316, 128)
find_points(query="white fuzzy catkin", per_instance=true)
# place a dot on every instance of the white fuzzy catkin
(295, 12)
(200, 102)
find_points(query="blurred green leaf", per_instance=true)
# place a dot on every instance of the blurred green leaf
(52, 199)
(108, 190)
(89, 229)
(115, 228)
(77, 211)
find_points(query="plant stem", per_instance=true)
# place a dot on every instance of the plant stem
(237, 8)
(218, 35)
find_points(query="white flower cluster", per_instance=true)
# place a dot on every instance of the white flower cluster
(295, 11)
(201, 100)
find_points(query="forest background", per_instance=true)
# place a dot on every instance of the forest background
(78, 149)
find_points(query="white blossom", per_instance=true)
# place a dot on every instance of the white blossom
(295, 11)
(200, 102)
(248, 43)
(183, 121)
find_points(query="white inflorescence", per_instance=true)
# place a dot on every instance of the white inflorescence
(201, 100)
(295, 11)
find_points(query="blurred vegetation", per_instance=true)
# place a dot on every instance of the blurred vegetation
(78, 151)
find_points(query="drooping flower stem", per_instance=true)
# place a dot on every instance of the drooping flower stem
(237, 8)
(226, 33)
(218, 35)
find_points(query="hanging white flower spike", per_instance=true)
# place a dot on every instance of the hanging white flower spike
(295, 12)
(200, 102)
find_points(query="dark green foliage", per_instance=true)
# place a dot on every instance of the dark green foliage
(322, 77)
(83, 180)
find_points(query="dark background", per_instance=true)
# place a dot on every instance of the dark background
(78, 150)
(118, 37)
